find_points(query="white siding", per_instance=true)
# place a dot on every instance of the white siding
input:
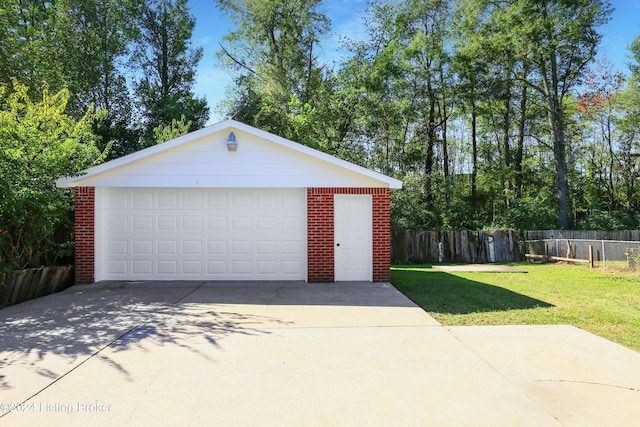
(206, 163)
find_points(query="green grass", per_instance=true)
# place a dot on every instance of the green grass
(604, 302)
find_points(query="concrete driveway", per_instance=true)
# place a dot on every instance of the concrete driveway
(295, 354)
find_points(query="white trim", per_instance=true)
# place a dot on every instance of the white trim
(230, 125)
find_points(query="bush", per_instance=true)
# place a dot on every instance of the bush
(39, 143)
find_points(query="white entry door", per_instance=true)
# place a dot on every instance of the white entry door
(353, 236)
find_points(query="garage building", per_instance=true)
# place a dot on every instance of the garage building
(231, 202)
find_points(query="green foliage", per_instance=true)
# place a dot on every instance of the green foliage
(472, 103)
(39, 143)
(633, 257)
(177, 128)
(168, 63)
(532, 212)
(599, 218)
(98, 50)
(279, 84)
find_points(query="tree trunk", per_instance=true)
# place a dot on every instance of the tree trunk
(445, 148)
(520, 147)
(506, 146)
(474, 149)
(555, 121)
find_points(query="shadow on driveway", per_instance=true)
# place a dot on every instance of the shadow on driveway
(51, 335)
(439, 292)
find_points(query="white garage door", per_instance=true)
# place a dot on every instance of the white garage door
(212, 234)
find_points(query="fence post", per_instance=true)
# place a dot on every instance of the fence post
(590, 256)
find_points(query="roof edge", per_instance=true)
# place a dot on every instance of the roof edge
(74, 181)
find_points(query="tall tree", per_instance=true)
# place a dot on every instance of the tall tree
(273, 53)
(168, 62)
(32, 44)
(630, 132)
(79, 45)
(560, 39)
(97, 49)
(598, 104)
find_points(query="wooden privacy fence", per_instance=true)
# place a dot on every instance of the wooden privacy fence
(33, 283)
(592, 235)
(417, 247)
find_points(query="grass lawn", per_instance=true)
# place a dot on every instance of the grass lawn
(605, 302)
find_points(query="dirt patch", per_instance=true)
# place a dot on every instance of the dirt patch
(478, 268)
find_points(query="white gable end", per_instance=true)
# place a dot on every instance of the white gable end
(202, 160)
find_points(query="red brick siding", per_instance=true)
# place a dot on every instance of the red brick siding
(84, 234)
(381, 205)
(320, 258)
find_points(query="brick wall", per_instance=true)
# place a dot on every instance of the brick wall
(320, 257)
(84, 234)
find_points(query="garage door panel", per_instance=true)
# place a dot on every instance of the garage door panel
(267, 223)
(192, 199)
(142, 247)
(117, 200)
(168, 199)
(267, 267)
(291, 247)
(241, 199)
(217, 247)
(118, 222)
(217, 267)
(267, 200)
(292, 224)
(241, 223)
(167, 247)
(191, 247)
(192, 223)
(241, 247)
(192, 267)
(167, 223)
(216, 223)
(291, 267)
(216, 199)
(241, 268)
(241, 234)
(117, 247)
(142, 267)
(142, 223)
(142, 200)
(267, 247)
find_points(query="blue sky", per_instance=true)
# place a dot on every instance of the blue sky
(346, 20)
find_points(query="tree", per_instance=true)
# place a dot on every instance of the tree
(164, 133)
(598, 103)
(407, 102)
(273, 54)
(168, 63)
(630, 132)
(98, 45)
(32, 43)
(559, 39)
(79, 45)
(39, 143)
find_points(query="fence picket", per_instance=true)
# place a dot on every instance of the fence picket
(465, 246)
